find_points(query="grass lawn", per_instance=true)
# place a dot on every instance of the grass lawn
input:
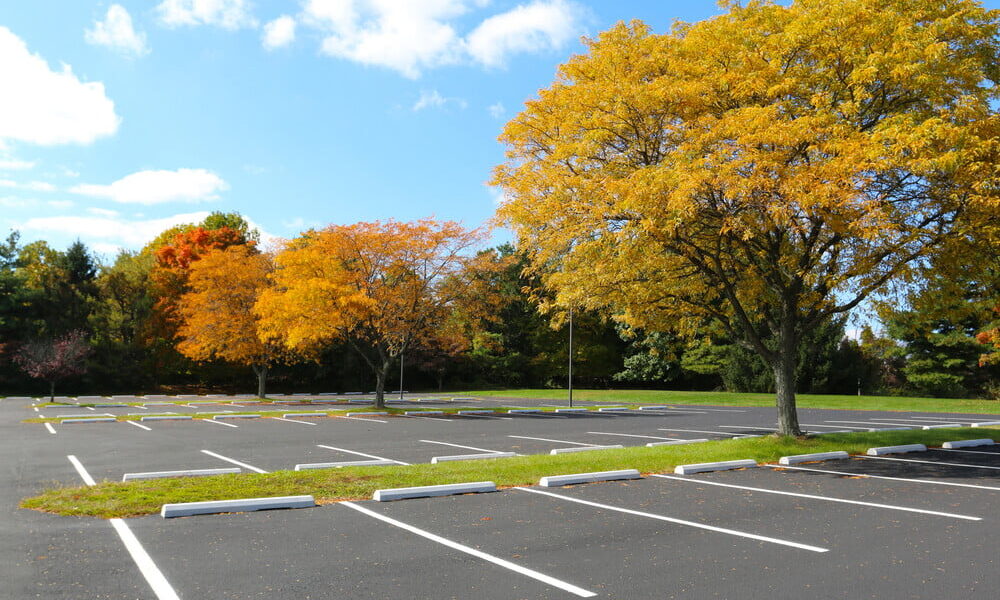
(118, 499)
(956, 405)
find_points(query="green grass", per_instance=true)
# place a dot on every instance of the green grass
(847, 402)
(114, 499)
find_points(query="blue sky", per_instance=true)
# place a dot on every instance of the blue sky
(295, 113)
(120, 119)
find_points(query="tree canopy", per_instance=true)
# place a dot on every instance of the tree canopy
(768, 169)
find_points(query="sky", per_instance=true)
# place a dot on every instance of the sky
(120, 119)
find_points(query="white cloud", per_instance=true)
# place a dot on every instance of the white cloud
(116, 32)
(103, 212)
(228, 14)
(541, 25)
(406, 36)
(433, 99)
(46, 107)
(12, 164)
(410, 36)
(496, 110)
(279, 32)
(33, 186)
(124, 232)
(60, 204)
(156, 187)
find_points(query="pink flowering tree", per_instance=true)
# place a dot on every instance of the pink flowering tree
(54, 359)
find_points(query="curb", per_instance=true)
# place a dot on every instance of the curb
(429, 491)
(349, 463)
(357, 414)
(523, 411)
(95, 420)
(560, 480)
(588, 448)
(423, 412)
(652, 408)
(217, 417)
(614, 409)
(474, 412)
(986, 424)
(439, 459)
(166, 418)
(816, 456)
(945, 426)
(572, 410)
(968, 443)
(191, 473)
(715, 466)
(877, 429)
(896, 449)
(314, 414)
(187, 509)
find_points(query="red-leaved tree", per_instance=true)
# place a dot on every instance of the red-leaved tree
(54, 359)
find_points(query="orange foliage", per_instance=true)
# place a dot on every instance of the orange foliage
(381, 286)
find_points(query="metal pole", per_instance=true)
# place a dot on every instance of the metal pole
(570, 378)
(400, 374)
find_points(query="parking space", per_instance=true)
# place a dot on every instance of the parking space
(904, 526)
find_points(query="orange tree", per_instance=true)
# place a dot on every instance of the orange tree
(217, 320)
(768, 169)
(381, 287)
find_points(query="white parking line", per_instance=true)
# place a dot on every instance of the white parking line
(743, 534)
(359, 418)
(826, 498)
(154, 577)
(648, 437)
(929, 462)
(460, 446)
(966, 451)
(477, 553)
(235, 462)
(139, 406)
(399, 462)
(84, 475)
(524, 437)
(35, 408)
(89, 407)
(292, 420)
(867, 476)
(139, 425)
(49, 427)
(879, 422)
(730, 433)
(429, 418)
(216, 422)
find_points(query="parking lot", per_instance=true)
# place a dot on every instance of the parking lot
(907, 526)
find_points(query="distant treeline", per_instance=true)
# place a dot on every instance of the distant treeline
(130, 316)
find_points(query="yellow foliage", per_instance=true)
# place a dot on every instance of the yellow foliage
(766, 168)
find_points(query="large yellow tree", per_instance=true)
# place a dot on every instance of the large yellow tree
(768, 168)
(381, 287)
(217, 314)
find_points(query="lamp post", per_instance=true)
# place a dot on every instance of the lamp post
(400, 374)
(570, 372)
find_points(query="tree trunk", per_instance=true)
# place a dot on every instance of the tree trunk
(381, 375)
(52, 391)
(261, 372)
(784, 382)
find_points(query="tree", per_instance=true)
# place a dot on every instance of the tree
(381, 286)
(767, 169)
(54, 359)
(217, 316)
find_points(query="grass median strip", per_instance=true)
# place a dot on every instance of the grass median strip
(123, 499)
(846, 402)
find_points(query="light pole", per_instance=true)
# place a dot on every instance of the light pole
(570, 377)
